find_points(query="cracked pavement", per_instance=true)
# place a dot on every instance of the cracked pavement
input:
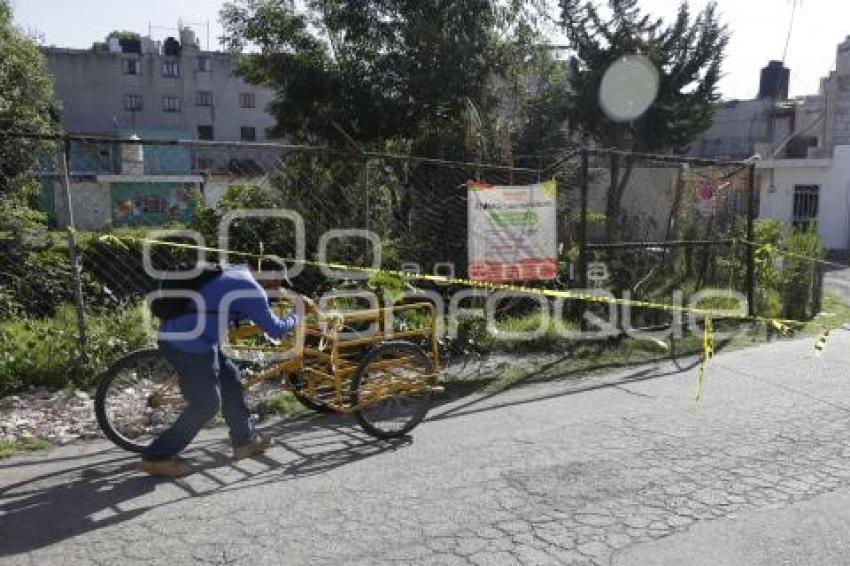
(617, 469)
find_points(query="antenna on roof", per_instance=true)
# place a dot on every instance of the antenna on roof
(790, 28)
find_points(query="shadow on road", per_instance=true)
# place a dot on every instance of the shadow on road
(464, 388)
(51, 507)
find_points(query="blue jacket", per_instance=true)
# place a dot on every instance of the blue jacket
(249, 300)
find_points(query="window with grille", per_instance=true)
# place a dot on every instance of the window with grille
(170, 104)
(204, 64)
(205, 98)
(151, 204)
(205, 132)
(249, 133)
(171, 69)
(131, 66)
(133, 102)
(247, 100)
(806, 201)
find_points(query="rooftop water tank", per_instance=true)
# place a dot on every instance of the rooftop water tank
(775, 81)
(188, 39)
(171, 47)
(843, 60)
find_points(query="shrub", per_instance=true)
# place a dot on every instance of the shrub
(798, 274)
(43, 352)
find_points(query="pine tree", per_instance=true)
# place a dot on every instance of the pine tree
(688, 54)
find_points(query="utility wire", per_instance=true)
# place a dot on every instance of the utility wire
(790, 29)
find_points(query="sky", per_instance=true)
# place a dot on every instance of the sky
(759, 30)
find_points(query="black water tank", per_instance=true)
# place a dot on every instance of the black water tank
(171, 47)
(775, 81)
(130, 45)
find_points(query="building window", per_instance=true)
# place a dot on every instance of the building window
(247, 100)
(205, 133)
(204, 64)
(205, 98)
(131, 66)
(170, 104)
(249, 133)
(171, 69)
(151, 204)
(133, 102)
(806, 199)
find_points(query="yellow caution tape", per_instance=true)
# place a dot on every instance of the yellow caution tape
(820, 345)
(707, 355)
(552, 293)
(708, 339)
(783, 328)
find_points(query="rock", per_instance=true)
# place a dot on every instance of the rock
(60, 417)
(9, 403)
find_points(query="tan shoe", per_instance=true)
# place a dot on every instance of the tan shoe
(256, 447)
(169, 468)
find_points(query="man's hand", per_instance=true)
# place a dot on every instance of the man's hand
(309, 305)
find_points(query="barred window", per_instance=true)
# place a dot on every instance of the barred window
(205, 98)
(806, 201)
(131, 66)
(205, 133)
(133, 102)
(170, 104)
(247, 100)
(249, 133)
(171, 69)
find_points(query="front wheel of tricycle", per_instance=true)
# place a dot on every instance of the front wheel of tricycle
(393, 387)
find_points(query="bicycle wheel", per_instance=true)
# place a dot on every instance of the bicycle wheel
(393, 382)
(137, 399)
(310, 402)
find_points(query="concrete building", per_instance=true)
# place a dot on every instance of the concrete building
(804, 149)
(147, 86)
(144, 89)
(809, 184)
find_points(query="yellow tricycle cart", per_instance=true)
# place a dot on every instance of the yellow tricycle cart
(379, 365)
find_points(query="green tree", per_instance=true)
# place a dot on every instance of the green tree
(118, 34)
(401, 76)
(383, 69)
(687, 54)
(27, 104)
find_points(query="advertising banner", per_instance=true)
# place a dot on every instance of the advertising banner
(512, 232)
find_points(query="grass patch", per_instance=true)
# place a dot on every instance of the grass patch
(834, 313)
(281, 405)
(9, 449)
(44, 352)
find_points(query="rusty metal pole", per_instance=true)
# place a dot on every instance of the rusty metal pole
(76, 269)
(582, 227)
(751, 258)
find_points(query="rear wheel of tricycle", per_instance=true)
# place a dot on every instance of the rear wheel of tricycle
(137, 399)
(393, 384)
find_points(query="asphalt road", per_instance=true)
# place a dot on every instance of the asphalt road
(837, 282)
(622, 469)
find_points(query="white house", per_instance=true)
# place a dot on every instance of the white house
(804, 144)
(800, 192)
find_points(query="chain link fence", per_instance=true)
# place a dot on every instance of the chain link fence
(642, 225)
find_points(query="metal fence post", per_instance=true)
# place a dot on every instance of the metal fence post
(365, 181)
(751, 257)
(76, 268)
(582, 227)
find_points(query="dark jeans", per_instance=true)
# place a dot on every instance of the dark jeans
(208, 382)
